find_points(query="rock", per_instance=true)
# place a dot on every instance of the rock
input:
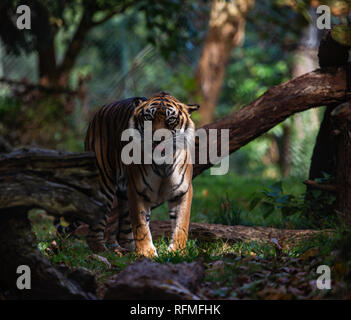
(101, 259)
(146, 279)
(82, 277)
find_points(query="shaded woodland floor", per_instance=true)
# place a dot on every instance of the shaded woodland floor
(241, 270)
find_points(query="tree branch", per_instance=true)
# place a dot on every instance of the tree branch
(314, 89)
(110, 14)
(320, 186)
(77, 42)
(85, 25)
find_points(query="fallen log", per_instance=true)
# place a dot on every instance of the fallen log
(62, 183)
(18, 247)
(232, 234)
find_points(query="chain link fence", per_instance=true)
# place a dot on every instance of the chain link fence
(140, 74)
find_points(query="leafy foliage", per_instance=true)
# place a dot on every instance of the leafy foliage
(169, 22)
(296, 209)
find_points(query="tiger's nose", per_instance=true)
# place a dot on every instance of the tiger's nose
(159, 124)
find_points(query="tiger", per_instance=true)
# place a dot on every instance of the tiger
(139, 187)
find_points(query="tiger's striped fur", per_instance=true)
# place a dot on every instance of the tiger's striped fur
(140, 187)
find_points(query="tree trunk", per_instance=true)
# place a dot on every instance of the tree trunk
(74, 48)
(324, 152)
(225, 30)
(342, 116)
(47, 64)
(50, 73)
(305, 60)
(323, 164)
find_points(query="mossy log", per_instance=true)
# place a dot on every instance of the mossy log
(232, 234)
(61, 183)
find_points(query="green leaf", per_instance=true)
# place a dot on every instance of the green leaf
(277, 187)
(284, 199)
(316, 193)
(288, 211)
(254, 203)
(342, 35)
(266, 208)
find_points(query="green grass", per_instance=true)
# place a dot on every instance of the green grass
(233, 270)
(217, 199)
(241, 270)
(74, 252)
(211, 191)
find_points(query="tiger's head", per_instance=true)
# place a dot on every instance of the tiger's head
(164, 112)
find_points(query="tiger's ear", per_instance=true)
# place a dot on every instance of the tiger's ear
(139, 100)
(192, 107)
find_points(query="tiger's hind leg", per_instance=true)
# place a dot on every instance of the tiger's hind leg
(95, 237)
(125, 231)
(112, 226)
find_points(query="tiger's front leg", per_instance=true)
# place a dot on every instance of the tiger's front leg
(139, 211)
(179, 212)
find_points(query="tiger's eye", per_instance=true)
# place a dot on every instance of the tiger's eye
(171, 120)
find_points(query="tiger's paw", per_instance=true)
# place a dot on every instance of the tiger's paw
(148, 252)
(97, 247)
(174, 247)
(128, 244)
(117, 248)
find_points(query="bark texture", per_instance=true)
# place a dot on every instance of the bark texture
(324, 152)
(61, 183)
(231, 234)
(342, 115)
